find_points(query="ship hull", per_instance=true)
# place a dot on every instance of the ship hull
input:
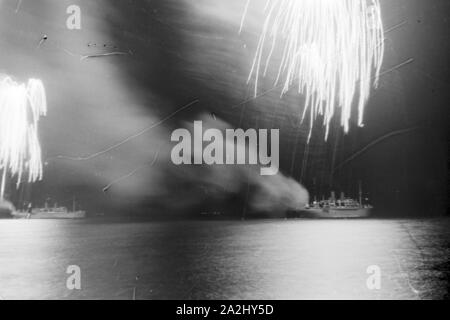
(51, 215)
(336, 213)
(5, 214)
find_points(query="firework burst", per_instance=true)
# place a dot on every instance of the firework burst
(21, 106)
(332, 50)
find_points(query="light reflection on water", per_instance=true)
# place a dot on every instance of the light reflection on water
(276, 259)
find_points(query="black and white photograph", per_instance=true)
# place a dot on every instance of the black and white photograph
(236, 152)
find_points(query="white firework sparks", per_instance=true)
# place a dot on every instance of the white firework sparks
(21, 106)
(333, 50)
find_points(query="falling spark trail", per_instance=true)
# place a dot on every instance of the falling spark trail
(19, 3)
(255, 97)
(333, 49)
(92, 56)
(396, 67)
(373, 143)
(106, 188)
(99, 55)
(128, 139)
(243, 16)
(21, 106)
(401, 24)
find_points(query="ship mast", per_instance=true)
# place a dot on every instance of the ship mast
(3, 183)
(360, 192)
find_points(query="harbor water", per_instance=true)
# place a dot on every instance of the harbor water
(255, 259)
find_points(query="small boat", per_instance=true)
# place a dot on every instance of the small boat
(6, 209)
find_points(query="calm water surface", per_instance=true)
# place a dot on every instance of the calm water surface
(273, 259)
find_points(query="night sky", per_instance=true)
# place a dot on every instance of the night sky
(178, 51)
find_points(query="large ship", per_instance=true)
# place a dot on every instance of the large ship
(340, 209)
(50, 213)
(47, 212)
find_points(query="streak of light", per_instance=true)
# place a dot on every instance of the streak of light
(128, 139)
(397, 67)
(19, 4)
(373, 143)
(398, 25)
(98, 55)
(107, 187)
